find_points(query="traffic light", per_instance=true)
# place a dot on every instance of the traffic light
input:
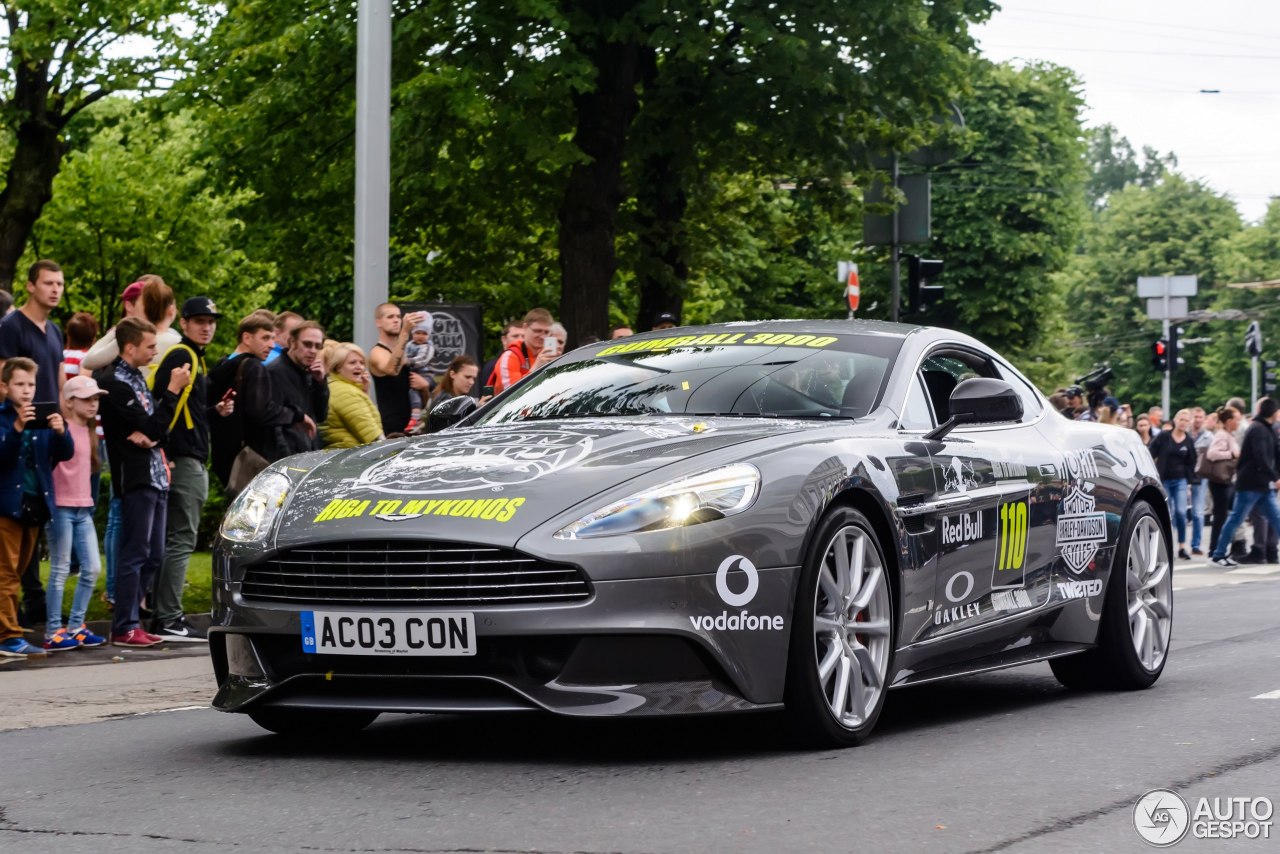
(1175, 335)
(1269, 378)
(920, 274)
(1253, 340)
(1160, 355)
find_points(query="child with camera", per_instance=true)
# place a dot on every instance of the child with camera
(72, 524)
(33, 439)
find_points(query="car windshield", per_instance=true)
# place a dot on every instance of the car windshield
(765, 374)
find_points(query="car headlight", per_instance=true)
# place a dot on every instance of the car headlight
(254, 511)
(701, 498)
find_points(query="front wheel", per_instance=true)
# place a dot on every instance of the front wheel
(311, 723)
(842, 634)
(1137, 613)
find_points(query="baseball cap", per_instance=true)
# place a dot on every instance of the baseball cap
(81, 387)
(668, 317)
(131, 293)
(200, 306)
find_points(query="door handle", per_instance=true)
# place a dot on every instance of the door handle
(942, 504)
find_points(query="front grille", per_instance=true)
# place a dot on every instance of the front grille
(411, 572)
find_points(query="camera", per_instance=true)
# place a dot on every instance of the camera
(1095, 383)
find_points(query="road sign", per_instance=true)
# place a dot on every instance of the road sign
(1159, 286)
(1253, 340)
(913, 217)
(1177, 308)
(853, 290)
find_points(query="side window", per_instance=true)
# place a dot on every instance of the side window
(944, 370)
(1031, 404)
(915, 415)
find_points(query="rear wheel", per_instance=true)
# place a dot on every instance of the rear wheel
(842, 634)
(1137, 613)
(311, 723)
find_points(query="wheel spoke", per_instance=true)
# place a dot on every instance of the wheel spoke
(1159, 609)
(1153, 551)
(856, 574)
(869, 588)
(823, 626)
(1140, 629)
(1152, 580)
(830, 587)
(876, 628)
(857, 697)
(829, 662)
(863, 655)
(841, 553)
(1135, 607)
(842, 686)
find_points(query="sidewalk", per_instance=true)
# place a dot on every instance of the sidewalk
(107, 654)
(53, 696)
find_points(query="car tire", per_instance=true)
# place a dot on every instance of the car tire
(311, 723)
(842, 629)
(1132, 650)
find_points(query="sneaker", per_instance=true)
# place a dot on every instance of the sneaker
(1182, 553)
(1197, 553)
(136, 638)
(60, 641)
(181, 630)
(1224, 562)
(88, 640)
(19, 648)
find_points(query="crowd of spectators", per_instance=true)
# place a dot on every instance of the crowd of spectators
(145, 402)
(1220, 468)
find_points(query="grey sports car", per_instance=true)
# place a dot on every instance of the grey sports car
(786, 515)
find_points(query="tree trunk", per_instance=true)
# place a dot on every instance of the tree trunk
(663, 271)
(589, 208)
(37, 157)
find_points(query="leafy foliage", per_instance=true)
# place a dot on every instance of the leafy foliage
(135, 200)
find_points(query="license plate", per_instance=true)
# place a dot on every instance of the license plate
(353, 633)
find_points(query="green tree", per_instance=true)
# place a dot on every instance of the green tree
(58, 59)
(136, 199)
(1114, 165)
(1173, 228)
(1007, 215)
(1249, 255)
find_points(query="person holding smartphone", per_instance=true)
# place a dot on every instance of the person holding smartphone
(29, 449)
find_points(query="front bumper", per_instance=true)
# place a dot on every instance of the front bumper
(639, 647)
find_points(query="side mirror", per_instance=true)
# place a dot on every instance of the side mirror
(450, 412)
(980, 400)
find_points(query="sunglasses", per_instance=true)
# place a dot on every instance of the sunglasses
(311, 345)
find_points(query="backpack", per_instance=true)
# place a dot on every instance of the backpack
(183, 408)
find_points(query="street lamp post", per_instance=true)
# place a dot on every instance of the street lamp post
(373, 166)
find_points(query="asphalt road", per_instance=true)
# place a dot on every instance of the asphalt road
(1001, 762)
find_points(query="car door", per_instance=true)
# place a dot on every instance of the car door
(995, 505)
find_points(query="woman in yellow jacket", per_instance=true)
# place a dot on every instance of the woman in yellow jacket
(353, 419)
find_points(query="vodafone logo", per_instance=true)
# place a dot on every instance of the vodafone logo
(743, 620)
(737, 600)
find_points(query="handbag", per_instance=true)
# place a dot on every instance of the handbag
(247, 465)
(1218, 471)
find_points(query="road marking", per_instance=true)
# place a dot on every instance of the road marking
(1270, 695)
(1254, 570)
(167, 711)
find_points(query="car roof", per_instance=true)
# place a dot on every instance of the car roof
(846, 327)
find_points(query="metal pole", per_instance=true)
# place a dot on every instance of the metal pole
(1168, 367)
(373, 165)
(1253, 384)
(895, 287)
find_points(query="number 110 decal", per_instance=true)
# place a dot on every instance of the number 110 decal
(1012, 522)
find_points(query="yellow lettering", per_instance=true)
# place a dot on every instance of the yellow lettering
(460, 508)
(513, 505)
(329, 509)
(758, 338)
(823, 342)
(414, 508)
(494, 508)
(733, 339)
(478, 508)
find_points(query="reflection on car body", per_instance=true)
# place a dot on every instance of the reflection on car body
(793, 515)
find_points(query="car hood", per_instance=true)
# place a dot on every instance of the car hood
(494, 484)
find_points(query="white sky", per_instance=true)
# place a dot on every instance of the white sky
(1144, 62)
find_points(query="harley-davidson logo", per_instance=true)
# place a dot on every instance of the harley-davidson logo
(476, 460)
(1081, 529)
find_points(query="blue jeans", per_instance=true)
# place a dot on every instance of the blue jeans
(142, 524)
(1177, 490)
(111, 544)
(1245, 501)
(71, 528)
(1198, 492)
